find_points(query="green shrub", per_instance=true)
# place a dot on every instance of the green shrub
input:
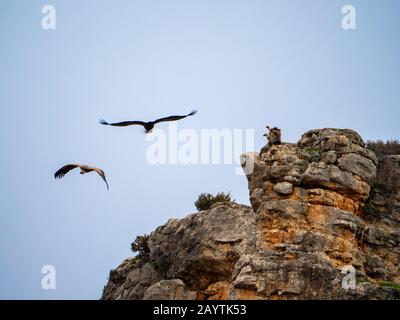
(361, 279)
(313, 153)
(312, 150)
(389, 284)
(141, 246)
(116, 276)
(206, 200)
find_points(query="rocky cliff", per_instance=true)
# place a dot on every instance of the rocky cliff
(316, 211)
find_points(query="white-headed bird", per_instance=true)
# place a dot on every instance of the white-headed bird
(84, 169)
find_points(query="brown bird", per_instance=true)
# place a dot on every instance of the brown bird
(84, 169)
(148, 126)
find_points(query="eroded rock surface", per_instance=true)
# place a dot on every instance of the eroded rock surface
(316, 209)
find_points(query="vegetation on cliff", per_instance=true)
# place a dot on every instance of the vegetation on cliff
(206, 200)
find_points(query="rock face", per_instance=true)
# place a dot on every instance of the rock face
(381, 238)
(315, 212)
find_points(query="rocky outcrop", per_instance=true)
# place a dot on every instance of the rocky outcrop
(316, 210)
(201, 249)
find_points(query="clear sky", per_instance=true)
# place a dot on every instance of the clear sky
(242, 63)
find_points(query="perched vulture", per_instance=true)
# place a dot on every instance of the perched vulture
(84, 169)
(273, 135)
(148, 126)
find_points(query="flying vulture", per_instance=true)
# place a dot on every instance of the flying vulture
(84, 169)
(148, 126)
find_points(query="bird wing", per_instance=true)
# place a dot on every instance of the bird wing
(64, 170)
(123, 123)
(102, 175)
(174, 118)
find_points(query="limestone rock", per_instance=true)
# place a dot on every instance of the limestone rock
(284, 188)
(317, 207)
(169, 290)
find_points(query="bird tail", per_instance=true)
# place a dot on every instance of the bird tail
(102, 121)
(192, 113)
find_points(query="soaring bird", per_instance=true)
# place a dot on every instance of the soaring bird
(84, 169)
(148, 126)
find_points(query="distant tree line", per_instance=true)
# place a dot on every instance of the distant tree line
(381, 148)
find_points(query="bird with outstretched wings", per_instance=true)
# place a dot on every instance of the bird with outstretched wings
(148, 126)
(84, 169)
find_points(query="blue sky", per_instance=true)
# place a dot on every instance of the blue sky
(242, 64)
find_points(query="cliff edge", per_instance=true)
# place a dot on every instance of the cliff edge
(318, 213)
